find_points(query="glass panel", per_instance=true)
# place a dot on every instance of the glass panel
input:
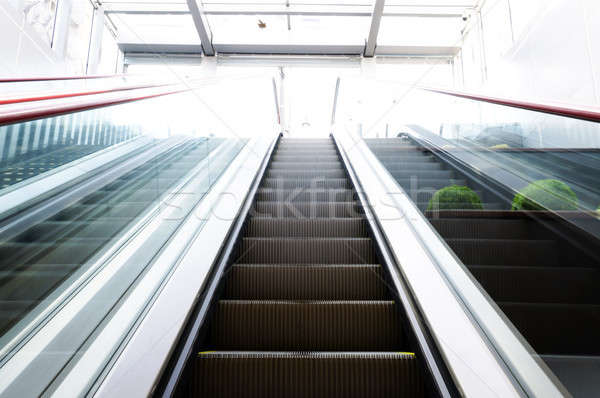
(273, 29)
(514, 194)
(421, 31)
(184, 150)
(156, 29)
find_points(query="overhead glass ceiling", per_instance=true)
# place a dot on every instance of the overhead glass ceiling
(405, 23)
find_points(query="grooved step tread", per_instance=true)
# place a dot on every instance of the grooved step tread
(310, 182)
(307, 251)
(287, 325)
(561, 329)
(296, 227)
(574, 285)
(306, 282)
(306, 374)
(305, 195)
(307, 209)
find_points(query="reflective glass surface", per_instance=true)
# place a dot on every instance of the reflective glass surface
(514, 195)
(124, 180)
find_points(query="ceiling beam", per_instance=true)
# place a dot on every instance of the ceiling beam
(291, 10)
(202, 27)
(374, 30)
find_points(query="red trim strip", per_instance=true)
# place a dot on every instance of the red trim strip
(52, 78)
(76, 94)
(572, 111)
(50, 111)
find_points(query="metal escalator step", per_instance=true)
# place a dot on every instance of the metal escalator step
(306, 166)
(304, 195)
(426, 193)
(486, 206)
(428, 183)
(293, 227)
(306, 326)
(306, 282)
(306, 152)
(561, 329)
(486, 228)
(307, 251)
(306, 147)
(71, 251)
(416, 173)
(506, 251)
(48, 231)
(573, 285)
(401, 166)
(413, 161)
(104, 210)
(315, 182)
(308, 209)
(304, 158)
(306, 374)
(305, 174)
(406, 155)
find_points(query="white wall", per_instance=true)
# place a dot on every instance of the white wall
(541, 49)
(23, 52)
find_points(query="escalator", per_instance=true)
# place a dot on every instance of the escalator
(35, 263)
(305, 307)
(542, 272)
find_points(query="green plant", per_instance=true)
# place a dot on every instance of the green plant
(545, 195)
(455, 197)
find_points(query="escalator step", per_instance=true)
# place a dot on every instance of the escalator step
(306, 282)
(506, 251)
(416, 173)
(561, 329)
(306, 326)
(574, 285)
(486, 206)
(305, 174)
(427, 183)
(304, 158)
(484, 228)
(314, 182)
(306, 374)
(308, 209)
(306, 152)
(305, 195)
(401, 166)
(316, 166)
(293, 227)
(307, 251)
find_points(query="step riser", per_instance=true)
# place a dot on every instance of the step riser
(290, 326)
(307, 210)
(487, 229)
(306, 377)
(277, 282)
(539, 284)
(312, 228)
(307, 251)
(305, 174)
(505, 252)
(305, 158)
(557, 329)
(305, 195)
(281, 183)
(314, 166)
